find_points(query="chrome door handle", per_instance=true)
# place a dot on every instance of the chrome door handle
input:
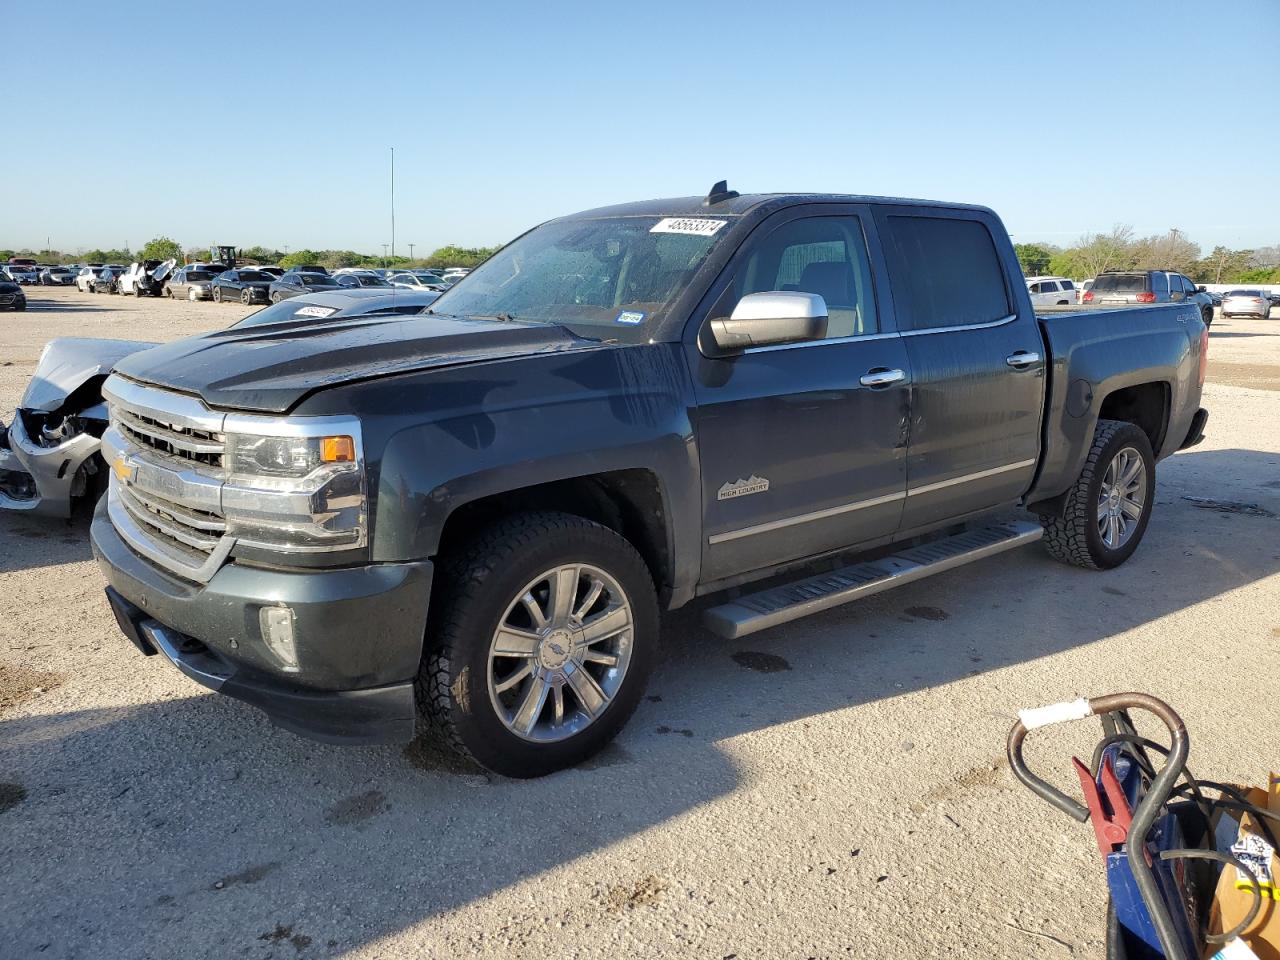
(880, 377)
(1022, 359)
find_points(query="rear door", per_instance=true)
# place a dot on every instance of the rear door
(977, 361)
(802, 446)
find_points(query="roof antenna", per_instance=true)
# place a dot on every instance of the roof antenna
(718, 193)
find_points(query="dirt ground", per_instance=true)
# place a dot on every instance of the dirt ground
(832, 788)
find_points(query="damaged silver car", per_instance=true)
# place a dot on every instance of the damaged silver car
(49, 453)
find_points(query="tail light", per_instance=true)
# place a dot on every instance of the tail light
(1204, 354)
(1088, 296)
(1258, 300)
(1146, 298)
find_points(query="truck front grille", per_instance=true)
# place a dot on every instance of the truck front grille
(166, 452)
(170, 439)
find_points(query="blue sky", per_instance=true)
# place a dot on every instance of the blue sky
(271, 123)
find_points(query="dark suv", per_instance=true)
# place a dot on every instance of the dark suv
(1126, 287)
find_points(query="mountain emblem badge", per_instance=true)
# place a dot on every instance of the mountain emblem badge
(743, 488)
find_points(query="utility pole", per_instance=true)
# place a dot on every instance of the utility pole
(411, 251)
(384, 254)
(393, 201)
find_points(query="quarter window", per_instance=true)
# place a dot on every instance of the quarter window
(822, 255)
(946, 272)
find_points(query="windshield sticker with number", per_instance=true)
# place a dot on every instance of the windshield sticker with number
(697, 226)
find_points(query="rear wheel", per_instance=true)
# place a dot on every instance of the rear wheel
(1106, 512)
(542, 646)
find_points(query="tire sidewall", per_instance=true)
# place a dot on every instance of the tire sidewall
(472, 714)
(1127, 436)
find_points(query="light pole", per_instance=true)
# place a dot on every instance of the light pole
(384, 254)
(411, 251)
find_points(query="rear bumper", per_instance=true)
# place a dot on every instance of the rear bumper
(358, 635)
(1196, 433)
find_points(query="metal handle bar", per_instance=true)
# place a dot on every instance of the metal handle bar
(1144, 816)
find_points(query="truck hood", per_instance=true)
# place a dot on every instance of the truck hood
(271, 367)
(67, 363)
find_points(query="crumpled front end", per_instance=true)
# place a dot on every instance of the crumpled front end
(47, 461)
(48, 454)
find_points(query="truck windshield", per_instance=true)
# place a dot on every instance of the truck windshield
(615, 272)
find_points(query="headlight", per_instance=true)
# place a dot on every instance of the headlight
(296, 486)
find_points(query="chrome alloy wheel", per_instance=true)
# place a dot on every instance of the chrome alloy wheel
(1122, 496)
(560, 653)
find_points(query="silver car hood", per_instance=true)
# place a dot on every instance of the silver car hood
(68, 362)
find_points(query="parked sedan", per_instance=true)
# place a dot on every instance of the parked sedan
(1246, 303)
(108, 280)
(417, 281)
(11, 295)
(24, 273)
(296, 282)
(85, 278)
(247, 286)
(57, 277)
(360, 280)
(192, 282)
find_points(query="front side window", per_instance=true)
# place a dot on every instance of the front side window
(618, 273)
(946, 272)
(822, 255)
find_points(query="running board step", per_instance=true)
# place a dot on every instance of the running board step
(791, 601)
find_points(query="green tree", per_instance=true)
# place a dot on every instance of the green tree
(1222, 264)
(1034, 257)
(161, 248)
(453, 256)
(300, 258)
(263, 255)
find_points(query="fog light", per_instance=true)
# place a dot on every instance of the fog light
(277, 633)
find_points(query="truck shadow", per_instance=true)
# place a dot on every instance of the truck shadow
(202, 818)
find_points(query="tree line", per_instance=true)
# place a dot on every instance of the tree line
(1119, 249)
(165, 248)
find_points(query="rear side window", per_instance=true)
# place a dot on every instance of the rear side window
(946, 272)
(1068, 285)
(1121, 283)
(1160, 284)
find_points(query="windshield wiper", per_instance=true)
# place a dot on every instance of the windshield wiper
(504, 317)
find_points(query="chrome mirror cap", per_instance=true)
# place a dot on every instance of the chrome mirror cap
(771, 318)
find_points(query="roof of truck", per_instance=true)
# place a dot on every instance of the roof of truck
(738, 205)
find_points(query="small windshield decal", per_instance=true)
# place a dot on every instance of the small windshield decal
(697, 226)
(742, 488)
(631, 317)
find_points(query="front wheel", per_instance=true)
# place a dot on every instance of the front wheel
(1106, 513)
(217, 294)
(192, 295)
(542, 646)
(246, 296)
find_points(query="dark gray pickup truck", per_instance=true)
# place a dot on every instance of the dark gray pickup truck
(472, 518)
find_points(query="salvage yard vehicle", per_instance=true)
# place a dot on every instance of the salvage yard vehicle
(471, 518)
(1051, 291)
(12, 296)
(1246, 303)
(145, 278)
(192, 282)
(1126, 287)
(49, 453)
(57, 277)
(245, 286)
(295, 282)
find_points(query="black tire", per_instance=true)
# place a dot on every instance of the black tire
(1207, 316)
(474, 590)
(1073, 536)
(20, 306)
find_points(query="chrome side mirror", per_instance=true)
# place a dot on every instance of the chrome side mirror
(771, 318)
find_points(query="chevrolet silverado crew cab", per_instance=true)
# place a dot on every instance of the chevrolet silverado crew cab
(470, 519)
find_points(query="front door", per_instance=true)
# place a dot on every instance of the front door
(803, 446)
(977, 360)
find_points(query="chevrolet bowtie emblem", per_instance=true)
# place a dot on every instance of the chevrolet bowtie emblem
(122, 468)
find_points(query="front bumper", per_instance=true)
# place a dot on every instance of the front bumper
(52, 470)
(358, 634)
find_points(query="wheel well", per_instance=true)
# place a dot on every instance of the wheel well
(1145, 405)
(629, 502)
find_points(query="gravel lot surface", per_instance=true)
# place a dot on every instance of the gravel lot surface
(831, 788)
